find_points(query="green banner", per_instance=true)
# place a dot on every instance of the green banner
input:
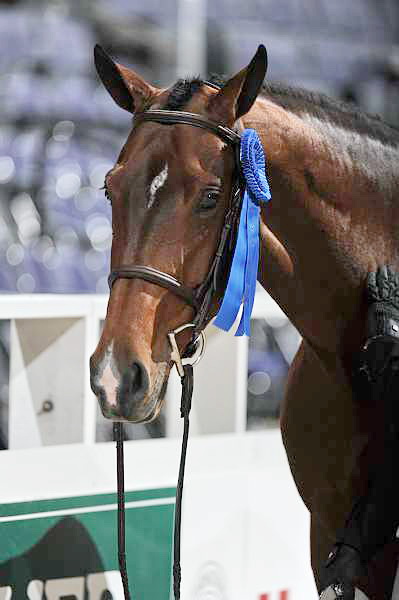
(66, 549)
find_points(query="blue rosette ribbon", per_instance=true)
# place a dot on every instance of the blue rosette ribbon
(244, 267)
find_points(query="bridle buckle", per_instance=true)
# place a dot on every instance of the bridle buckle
(198, 343)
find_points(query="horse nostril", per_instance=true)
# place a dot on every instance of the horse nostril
(134, 385)
(136, 378)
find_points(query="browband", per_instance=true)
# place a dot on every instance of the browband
(171, 117)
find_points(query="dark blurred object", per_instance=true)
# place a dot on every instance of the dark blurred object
(391, 84)
(272, 346)
(376, 88)
(218, 50)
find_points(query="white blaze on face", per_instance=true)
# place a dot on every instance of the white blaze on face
(156, 184)
(110, 377)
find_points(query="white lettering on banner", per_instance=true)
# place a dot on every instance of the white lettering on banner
(70, 586)
(99, 583)
(34, 591)
(56, 589)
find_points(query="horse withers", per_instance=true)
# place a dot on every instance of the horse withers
(331, 227)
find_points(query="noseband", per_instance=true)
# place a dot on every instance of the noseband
(200, 298)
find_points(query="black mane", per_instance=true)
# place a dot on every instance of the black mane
(182, 91)
(300, 101)
(331, 110)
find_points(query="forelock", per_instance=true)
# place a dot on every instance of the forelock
(182, 91)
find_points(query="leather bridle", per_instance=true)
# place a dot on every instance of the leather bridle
(199, 298)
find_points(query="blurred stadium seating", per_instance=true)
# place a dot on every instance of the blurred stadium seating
(60, 133)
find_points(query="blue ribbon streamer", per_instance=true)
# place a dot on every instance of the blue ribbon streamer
(244, 267)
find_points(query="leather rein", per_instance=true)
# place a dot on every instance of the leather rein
(200, 299)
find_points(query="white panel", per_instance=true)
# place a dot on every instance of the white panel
(214, 539)
(23, 428)
(277, 527)
(47, 365)
(220, 385)
(91, 337)
(216, 394)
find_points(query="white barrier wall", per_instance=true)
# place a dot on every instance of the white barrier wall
(245, 529)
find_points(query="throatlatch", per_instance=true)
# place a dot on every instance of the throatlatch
(374, 517)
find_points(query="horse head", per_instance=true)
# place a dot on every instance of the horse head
(170, 190)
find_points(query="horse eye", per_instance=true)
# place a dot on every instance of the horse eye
(209, 199)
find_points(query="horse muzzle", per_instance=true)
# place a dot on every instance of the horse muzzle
(125, 397)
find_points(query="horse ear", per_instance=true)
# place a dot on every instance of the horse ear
(126, 87)
(238, 95)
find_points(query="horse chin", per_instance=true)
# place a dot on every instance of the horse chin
(153, 414)
(146, 418)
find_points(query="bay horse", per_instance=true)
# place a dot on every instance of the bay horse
(332, 223)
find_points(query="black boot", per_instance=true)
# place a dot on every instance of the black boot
(343, 567)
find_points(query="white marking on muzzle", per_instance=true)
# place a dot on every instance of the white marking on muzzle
(110, 376)
(156, 184)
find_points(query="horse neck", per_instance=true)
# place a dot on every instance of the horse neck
(312, 261)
